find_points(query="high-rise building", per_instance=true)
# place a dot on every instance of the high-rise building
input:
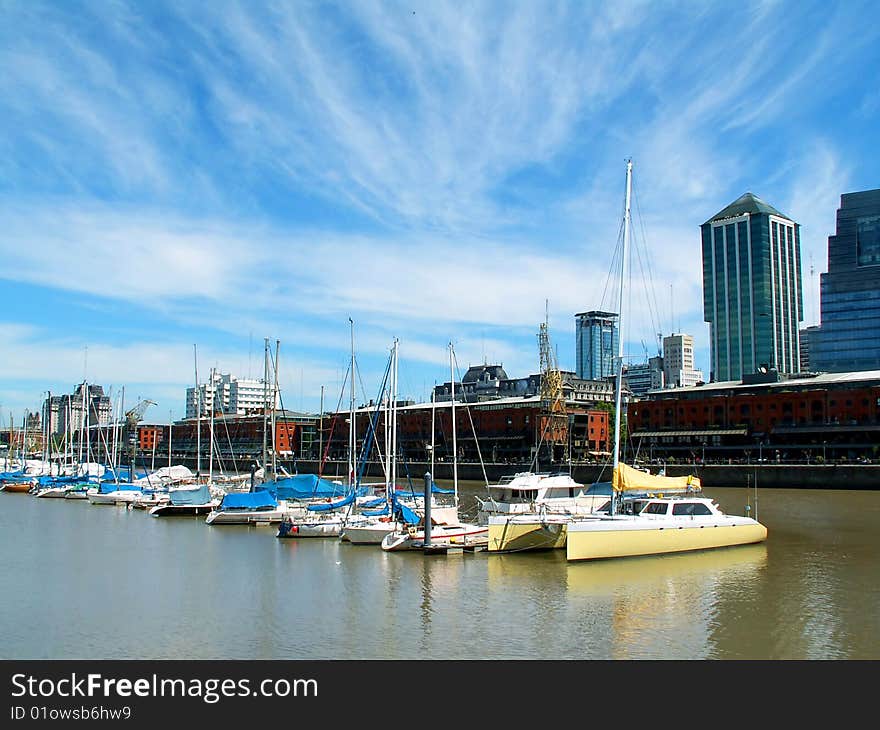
(87, 406)
(752, 295)
(230, 395)
(848, 338)
(596, 344)
(807, 335)
(642, 377)
(678, 362)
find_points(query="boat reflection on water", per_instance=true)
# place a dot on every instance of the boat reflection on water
(681, 605)
(720, 565)
(671, 606)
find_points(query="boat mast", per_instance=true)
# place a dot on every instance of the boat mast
(265, 403)
(321, 434)
(454, 441)
(351, 426)
(433, 418)
(393, 476)
(275, 400)
(211, 430)
(198, 395)
(618, 387)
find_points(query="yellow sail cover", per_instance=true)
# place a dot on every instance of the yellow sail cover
(629, 479)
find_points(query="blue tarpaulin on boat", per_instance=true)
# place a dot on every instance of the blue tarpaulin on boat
(373, 503)
(376, 512)
(434, 488)
(305, 486)
(199, 495)
(328, 506)
(260, 499)
(46, 481)
(600, 488)
(108, 487)
(402, 513)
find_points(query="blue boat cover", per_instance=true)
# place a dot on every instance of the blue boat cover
(434, 488)
(108, 487)
(260, 499)
(374, 502)
(376, 512)
(402, 513)
(328, 506)
(304, 486)
(600, 488)
(198, 495)
(50, 480)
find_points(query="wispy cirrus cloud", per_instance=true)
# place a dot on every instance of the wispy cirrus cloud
(438, 172)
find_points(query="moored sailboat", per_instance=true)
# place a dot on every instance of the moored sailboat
(429, 533)
(668, 515)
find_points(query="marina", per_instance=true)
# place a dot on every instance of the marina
(114, 583)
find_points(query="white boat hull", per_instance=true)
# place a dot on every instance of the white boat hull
(459, 535)
(368, 534)
(52, 493)
(108, 498)
(245, 517)
(320, 528)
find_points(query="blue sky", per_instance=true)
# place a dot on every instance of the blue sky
(187, 174)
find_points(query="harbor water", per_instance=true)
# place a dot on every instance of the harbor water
(81, 581)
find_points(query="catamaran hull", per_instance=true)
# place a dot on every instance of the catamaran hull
(507, 535)
(597, 541)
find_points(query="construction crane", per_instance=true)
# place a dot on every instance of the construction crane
(552, 394)
(133, 416)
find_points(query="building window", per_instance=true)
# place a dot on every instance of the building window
(868, 240)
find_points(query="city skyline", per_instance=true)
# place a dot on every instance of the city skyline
(176, 177)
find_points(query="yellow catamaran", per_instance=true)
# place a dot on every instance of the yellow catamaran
(668, 515)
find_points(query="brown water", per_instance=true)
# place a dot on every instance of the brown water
(83, 581)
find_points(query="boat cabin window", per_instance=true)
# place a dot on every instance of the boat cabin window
(655, 508)
(691, 508)
(559, 492)
(632, 506)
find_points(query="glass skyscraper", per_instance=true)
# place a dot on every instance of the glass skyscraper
(849, 336)
(752, 297)
(596, 345)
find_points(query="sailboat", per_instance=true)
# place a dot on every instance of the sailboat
(432, 533)
(331, 518)
(652, 514)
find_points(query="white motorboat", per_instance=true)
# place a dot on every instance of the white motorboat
(529, 492)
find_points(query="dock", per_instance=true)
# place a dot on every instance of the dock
(446, 547)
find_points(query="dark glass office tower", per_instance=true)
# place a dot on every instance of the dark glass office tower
(848, 338)
(752, 296)
(596, 334)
